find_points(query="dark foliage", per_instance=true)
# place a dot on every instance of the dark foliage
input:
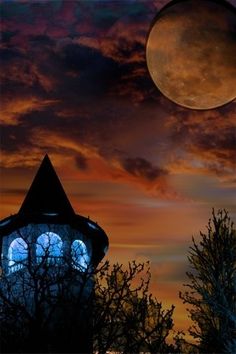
(212, 284)
(127, 318)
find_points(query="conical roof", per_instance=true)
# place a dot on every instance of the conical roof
(46, 194)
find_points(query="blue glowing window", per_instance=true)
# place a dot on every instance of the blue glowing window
(80, 257)
(17, 254)
(49, 246)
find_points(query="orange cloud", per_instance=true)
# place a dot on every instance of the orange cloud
(12, 109)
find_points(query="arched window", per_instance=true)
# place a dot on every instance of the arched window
(49, 248)
(80, 257)
(17, 254)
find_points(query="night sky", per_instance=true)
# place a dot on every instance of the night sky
(75, 85)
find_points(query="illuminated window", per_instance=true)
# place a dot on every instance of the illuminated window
(17, 254)
(80, 257)
(49, 248)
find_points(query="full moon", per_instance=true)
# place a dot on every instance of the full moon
(191, 53)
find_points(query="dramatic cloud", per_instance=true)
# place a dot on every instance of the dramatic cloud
(89, 85)
(142, 168)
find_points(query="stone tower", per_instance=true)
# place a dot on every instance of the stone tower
(48, 237)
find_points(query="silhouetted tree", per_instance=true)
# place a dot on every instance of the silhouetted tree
(181, 345)
(212, 285)
(127, 318)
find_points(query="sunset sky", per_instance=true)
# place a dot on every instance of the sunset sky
(74, 84)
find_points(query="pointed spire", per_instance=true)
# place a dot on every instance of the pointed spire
(46, 194)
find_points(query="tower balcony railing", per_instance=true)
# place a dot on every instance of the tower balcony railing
(80, 263)
(15, 267)
(49, 260)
